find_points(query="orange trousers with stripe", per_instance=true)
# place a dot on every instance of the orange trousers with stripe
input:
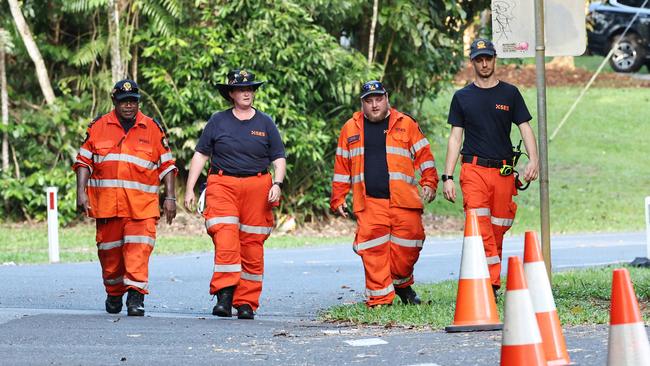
(490, 193)
(124, 246)
(239, 219)
(389, 241)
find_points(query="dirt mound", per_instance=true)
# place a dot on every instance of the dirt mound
(524, 76)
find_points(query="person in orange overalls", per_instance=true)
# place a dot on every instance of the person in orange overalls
(485, 111)
(119, 169)
(379, 151)
(240, 142)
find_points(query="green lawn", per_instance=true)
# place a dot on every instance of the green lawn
(598, 170)
(588, 62)
(581, 297)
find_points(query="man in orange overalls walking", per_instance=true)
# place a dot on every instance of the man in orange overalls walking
(119, 169)
(378, 153)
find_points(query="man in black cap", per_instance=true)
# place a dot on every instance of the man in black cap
(119, 168)
(485, 111)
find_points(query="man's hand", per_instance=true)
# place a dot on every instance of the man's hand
(449, 190)
(341, 210)
(189, 200)
(532, 171)
(274, 193)
(169, 209)
(82, 202)
(428, 194)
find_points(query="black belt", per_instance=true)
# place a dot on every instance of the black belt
(238, 175)
(488, 163)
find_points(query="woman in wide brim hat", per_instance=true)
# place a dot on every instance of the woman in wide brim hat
(238, 79)
(241, 142)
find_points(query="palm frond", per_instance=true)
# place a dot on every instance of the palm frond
(83, 6)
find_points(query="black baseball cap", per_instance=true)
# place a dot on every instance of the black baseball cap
(372, 87)
(126, 88)
(481, 46)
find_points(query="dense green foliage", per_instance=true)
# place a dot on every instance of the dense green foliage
(178, 49)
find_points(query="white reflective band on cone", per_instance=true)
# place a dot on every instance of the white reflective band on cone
(382, 292)
(628, 345)
(473, 265)
(540, 289)
(520, 326)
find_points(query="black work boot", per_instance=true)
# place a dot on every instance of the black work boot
(135, 303)
(495, 290)
(408, 296)
(224, 302)
(245, 312)
(113, 304)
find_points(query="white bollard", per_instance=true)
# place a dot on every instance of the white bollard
(52, 224)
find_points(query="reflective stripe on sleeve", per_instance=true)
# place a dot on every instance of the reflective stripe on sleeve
(357, 178)
(227, 268)
(114, 281)
(142, 285)
(166, 157)
(342, 152)
(356, 152)
(251, 277)
(98, 159)
(139, 239)
(373, 242)
(427, 165)
(109, 245)
(493, 259)
(264, 230)
(501, 221)
(164, 172)
(419, 145)
(119, 183)
(382, 292)
(340, 178)
(411, 243)
(401, 176)
(398, 151)
(85, 153)
(221, 220)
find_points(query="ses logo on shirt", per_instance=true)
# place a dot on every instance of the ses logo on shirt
(258, 133)
(503, 107)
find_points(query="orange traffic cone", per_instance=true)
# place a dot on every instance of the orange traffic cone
(476, 308)
(521, 343)
(543, 303)
(628, 340)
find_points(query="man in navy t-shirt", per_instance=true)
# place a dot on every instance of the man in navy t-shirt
(485, 111)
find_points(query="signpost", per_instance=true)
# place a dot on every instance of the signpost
(52, 224)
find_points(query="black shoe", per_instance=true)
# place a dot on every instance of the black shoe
(495, 290)
(245, 312)
(135, 303)
(408, 296)
(113, 304)
(224, 302)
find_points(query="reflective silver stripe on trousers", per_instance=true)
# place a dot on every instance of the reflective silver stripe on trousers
(165, 158)
(114, 281)
(482, 211)
(356, 152)
(341, 178)
(251, 277)
(382, 292)
(401, 176)
(427, 164)
(342, 152)
(419, 145)
(400, 281)
(85, 153)
(139, 239)
(357, 178)
(164, 172)
(373, 243)
(126, 158)
(399, 151)
(227, 267)
(221, 220)
(142, 285)
(411, 243)
(265, 230)
(493, 260)
(119, 183)
(109, 245)
(501, 222)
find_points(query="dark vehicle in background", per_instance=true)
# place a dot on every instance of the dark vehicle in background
(606, 22)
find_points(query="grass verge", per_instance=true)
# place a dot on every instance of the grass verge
(581, 296)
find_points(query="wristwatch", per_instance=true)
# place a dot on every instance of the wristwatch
(446, 177)
(279, 184)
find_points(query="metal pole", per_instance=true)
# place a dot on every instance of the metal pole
(52, 224)
(540, 63)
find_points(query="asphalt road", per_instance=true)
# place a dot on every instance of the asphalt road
(53, 314)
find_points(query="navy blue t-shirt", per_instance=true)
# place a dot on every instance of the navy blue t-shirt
(374, 155)
(487, 114)
(240, 147)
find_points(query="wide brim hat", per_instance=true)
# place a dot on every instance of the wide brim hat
(238, 79)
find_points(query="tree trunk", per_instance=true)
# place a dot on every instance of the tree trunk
(5, 104)
(563, 62)
(117, 69)
(373, 25)
(32, 49)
